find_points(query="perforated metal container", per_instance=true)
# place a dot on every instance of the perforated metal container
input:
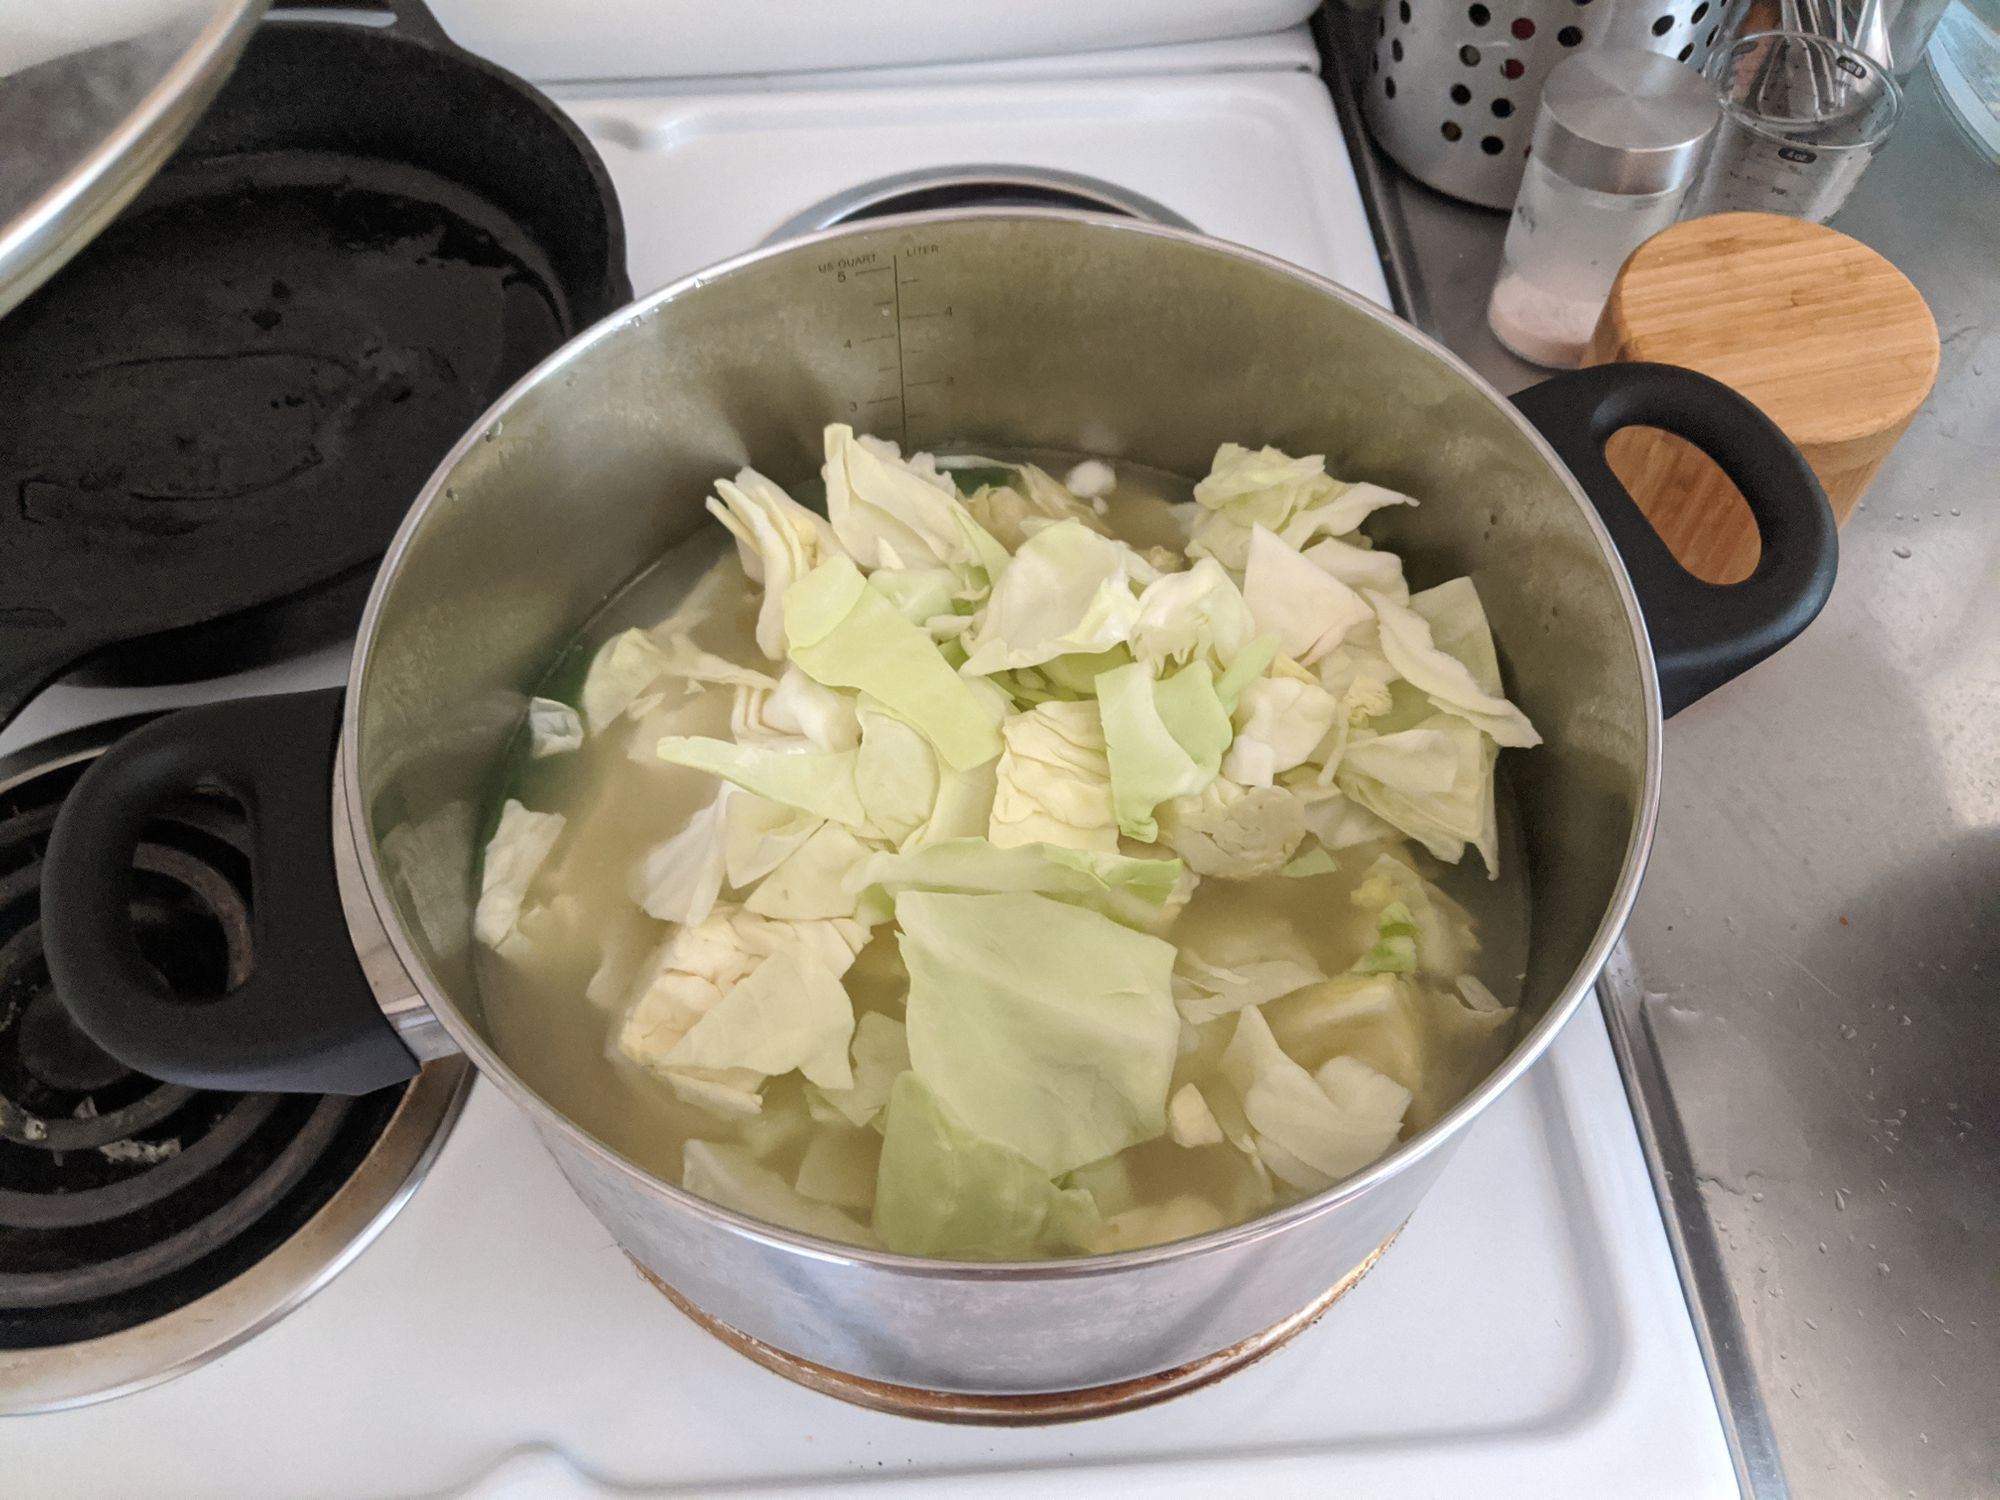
(1453, 85)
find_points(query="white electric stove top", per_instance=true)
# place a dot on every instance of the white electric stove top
(1525, 1337)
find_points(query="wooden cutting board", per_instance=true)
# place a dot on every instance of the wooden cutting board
(1828, 338)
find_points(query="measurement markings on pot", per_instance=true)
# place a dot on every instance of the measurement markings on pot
(887, 361)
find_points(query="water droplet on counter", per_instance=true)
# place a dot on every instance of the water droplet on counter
(1847, 1033)
(1954, 510)
(1822, 1247)
(1899, 515)
(1756, 1197)
(1901, 551)
(1934, 514)
(1812, 1325)
(1881, 1268)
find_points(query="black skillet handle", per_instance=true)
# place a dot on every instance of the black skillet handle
(1703, 633)
(305, 1020)
(409, 18)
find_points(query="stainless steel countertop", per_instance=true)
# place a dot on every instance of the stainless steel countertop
(1807, 990)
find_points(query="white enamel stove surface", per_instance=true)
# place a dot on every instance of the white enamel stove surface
(1526, 1337)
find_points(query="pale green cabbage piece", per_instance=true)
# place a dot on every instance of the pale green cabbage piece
(796, 709)
(553, 728)
(1053, 782)
(1190, 1122)
(1434, 782)
(814, 880)
(779, 542)
(1164, 739)
(1068, 590)
(679, 879)
(1234, 832)
(844, 634)
(1336, 820)
(1407, 643)
(788, 1012)
(1132, 891)
(1308, 1133)
(944, 1190)
(881, 1054)
(840, 1166)
(733, 1177)
(1395, 947)
(1043, 1026)
(920, 595)
(1446, 942)
(1036, 498)
(1309, 610)
(1314, 861)
(686, 974)
(758, 834)
(514, 855)
(1359, 567)
(1280, 722)
(621, 673)
(1293, 497)
(889, 512)
(1199, 612)
(814, 781)
(1204, 991)
(896, 774)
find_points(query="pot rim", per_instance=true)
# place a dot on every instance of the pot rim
(1438, 1136)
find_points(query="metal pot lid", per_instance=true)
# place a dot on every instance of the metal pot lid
(93, 100)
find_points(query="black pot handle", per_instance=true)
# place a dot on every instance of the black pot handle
(1703, 633)
(305, 1019)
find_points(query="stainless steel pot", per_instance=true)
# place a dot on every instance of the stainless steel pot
(1002, 328)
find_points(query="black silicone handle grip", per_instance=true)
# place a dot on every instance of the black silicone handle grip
(1703, 633)
(304, 1020)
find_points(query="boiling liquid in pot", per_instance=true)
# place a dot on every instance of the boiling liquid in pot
(619, 805)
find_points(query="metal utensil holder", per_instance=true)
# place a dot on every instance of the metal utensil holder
(1453, 85)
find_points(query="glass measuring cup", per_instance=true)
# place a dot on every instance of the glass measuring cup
(1802, 116)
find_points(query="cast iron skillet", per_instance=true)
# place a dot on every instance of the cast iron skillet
(213, 419)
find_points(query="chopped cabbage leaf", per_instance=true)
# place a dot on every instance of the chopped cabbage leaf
(678, 880)
(1449, 682)
(1337, 821)
(1042, 1026)
(1200, 612)
(896, 774)
(1293, 497)
(758, 835)
(889, 512)
(1314, 861)
(1434, 782)
(1310, 611)
(814, 880)
(881, 1054)
(621, 673)
(1092, 479)
(1311, 1130)
(553, 728)
(1178, 1218)
(1232, 831)
(1128, 890)
(1204, 991)
(964, 806)
(1359, 567)
(788, 1012)
(686, 660)
(1069, 589)
(686, 975)
(1280, 722)
(1372, 1016)
(1445, 940)
(919, 595)
(729, 1095)
(779, 542)
(796, 709)
(733, 1177)
(814, 781)
(945, 1190)
(1395, 948)
(844, 634)
(839, 1167)
(514, 855)
(1031, 498)
(1053, 782)
(1190, 1122)
(1163, 739)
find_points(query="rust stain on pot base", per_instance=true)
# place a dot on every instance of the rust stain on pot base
(1024, 1410)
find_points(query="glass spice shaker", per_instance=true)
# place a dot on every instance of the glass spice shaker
(1616, 145)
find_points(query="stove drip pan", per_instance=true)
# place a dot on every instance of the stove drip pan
(145, 1227)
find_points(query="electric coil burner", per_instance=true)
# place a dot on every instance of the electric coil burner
(145, 1226)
